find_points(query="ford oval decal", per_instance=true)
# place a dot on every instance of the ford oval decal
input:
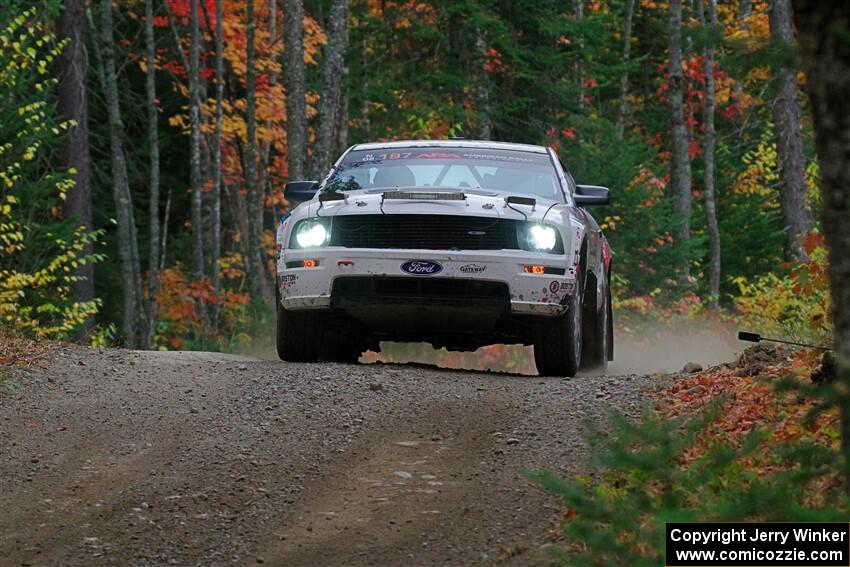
(421, 268)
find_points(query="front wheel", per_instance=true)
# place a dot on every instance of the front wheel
(298, 335)
(557, 341)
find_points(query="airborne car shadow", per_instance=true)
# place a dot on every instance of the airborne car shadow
(503, 360)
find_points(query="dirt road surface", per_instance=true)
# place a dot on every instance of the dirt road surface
(114, 457)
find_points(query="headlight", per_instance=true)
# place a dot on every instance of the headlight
(543, 237)
(311, 234)
(540, 238)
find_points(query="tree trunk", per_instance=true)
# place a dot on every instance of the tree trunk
(264, 178)
(623, 108)
(128, 252)
(482, 91)
(579, 61)
(791, 157)
(680, 165)
(342, 125)
(260, 289)
(251, 146)
(296, 89)
(822, 27)
(745, 8)
(164, 249)
(206, 168)
(215, 250)
(195, 143)
(331, 101)
(73, 105)
(457, 57)
(709, 143)
(365, 122)
(153, 197)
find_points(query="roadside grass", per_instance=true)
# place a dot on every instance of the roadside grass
(16, 350)
(17, 354)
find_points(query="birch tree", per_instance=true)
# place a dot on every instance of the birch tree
(680, 165)
(622, 107)
(579, 60)
(264, 149)
(365, 121)
(296, 90)
(330, 105)
(709, 143)
(195, 143)
(482, 91)
(251, 147)
(257, 276)
(215, 251)
(128, 252)
(791, 158)
(153, 184)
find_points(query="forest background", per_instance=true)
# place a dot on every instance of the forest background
(144, 147)
(147, 143)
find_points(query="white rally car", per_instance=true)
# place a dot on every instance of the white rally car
(459, 244)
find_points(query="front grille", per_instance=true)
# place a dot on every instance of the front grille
(442, 290)
(430, 232)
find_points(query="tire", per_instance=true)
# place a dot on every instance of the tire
(557, 341)
(598, 339)
(299, 334)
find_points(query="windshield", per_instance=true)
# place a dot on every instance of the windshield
(501, 171)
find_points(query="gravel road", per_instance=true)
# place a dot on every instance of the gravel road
(114, 457)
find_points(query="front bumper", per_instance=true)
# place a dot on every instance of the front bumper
(533, 294)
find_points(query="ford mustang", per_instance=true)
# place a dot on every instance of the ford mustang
(456, 243)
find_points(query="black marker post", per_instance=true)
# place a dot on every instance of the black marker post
(757, 338)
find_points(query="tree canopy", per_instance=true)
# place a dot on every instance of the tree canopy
(186, 238)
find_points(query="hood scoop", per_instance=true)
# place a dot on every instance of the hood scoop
(424, 195)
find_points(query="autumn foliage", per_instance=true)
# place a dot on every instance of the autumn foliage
(183, 301)
(537, 72)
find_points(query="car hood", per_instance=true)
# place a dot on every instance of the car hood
(392, 202)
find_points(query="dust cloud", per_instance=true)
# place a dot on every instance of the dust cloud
(664, 349)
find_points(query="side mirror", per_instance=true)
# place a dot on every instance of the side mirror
(589, 195)
(300, 191)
